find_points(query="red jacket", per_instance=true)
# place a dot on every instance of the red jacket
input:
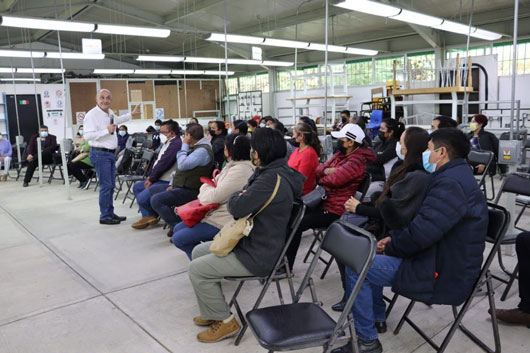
(343, 183)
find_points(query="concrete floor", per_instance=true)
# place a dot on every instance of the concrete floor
(68, 284)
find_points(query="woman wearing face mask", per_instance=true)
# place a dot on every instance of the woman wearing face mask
(482, 140)
(218, 133)
(123, 137)
(78, 139)
(231, 179)
(305, 158)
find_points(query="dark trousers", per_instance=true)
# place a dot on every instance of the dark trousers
(76, 169)
(105, 165)
(522, 246)
(47, 158)
(164, 203)
(311, 220)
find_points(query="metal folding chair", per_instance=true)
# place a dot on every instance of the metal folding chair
(19, 165)
(303, 325)
(486, 158)
(142, 167)
(499, 220)
(318, 233)
(275, 275)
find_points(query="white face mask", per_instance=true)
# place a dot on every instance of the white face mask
(163, 138)
(398, 151)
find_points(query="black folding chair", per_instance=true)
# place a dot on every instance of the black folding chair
(318, 233)
(486, 158)
(524, 202)
(19, 165)
(57, 161)
(499, 220)
(280, 271)
(303, 325)
(519, 184)
(142, 167)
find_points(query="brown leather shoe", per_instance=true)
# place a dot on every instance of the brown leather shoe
(197, 320)
(170, 232)
(143, 222)
(219, 331)
(513, 316)
(4, 177)
(154, 221)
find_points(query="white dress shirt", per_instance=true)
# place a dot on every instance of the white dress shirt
(95, 126)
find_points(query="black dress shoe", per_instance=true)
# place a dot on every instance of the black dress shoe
(339, 306)
(121, 219)
(25, 184)
(380, 326)
(109, 221)
(373, 346)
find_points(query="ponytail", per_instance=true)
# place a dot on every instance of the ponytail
(310, 136)
(396, 126)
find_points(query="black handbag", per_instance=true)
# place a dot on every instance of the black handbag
(313, 199)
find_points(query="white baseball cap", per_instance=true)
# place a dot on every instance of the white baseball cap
(351, 132)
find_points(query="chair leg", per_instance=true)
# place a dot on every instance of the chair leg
(510, 283)
(290, 279)
(404, 317)
(391, 304)
(280, 295)
(311, 251)
(244, 324)
(519, 217)
(501, 263)
(328, 265)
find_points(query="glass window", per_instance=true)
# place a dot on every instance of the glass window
(422, 65)
(283, 80)
(232, 85)
(359, 72)
(384, 68)
(262, 82)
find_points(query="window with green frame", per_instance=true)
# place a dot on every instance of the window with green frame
(504, 53)
(423, 65)
(283, 80)
(262, 82)
(254, 82)
(359, 72)
(474, 51)
(384, 68)
(232, 85)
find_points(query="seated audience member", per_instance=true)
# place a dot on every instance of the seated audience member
(79, 139)
(308, 120)
(194, 121)
(521, 314)
(252, 125)
(278, 125)
(442, 122)
(305, 158)
(340, 176)
(159, 176)
(255, 254)
(79, 163)
(240, 127)
(436, 259)
(264, 120)
(232, 178)
(403, 193)
(344, 119)
(49, 146)
(6, 153)
(385, 149)
(194, 160)
(124, 139)
(156, 135)
(482, 140)
(270, 123)
(218, 133)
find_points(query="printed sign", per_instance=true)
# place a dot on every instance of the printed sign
(91, 46)
(47, 104)
(160, 113)
(59, 103)
(46, 94)
(23, 102)
(80, 116)
(59, 93)
(507, 155)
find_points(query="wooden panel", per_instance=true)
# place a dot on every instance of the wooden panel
(146, 87)
(118, 88)
(82, 97)
(167, 97)
(148, 111)
(198, 99)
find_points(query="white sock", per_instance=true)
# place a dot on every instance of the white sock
(225, 321)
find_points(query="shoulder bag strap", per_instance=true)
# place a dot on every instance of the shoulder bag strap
(267, 203)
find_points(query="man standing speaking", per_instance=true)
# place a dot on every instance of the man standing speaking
(100, 125)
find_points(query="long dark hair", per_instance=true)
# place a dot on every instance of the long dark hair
(309, 121)
(396, 126)
(310, 136)
(416, 140)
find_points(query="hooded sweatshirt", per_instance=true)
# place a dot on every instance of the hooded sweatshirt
(260, 250)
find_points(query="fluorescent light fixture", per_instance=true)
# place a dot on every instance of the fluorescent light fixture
(217, 73)
(195, 59)
(187, 72)
(454, 27)
(20, 79)
(113, 71)
(160, 58)
(243, 62)
(21, 54)
(285, 43)
(370, 7)
(7, 70)
(357, 51)
(52, 25)
(133, 30)
(277, 63)
(331, 48)
(39, 71)
(417, 18)
(487, 35)
(67, 55)
(235, 38)
(152, 72)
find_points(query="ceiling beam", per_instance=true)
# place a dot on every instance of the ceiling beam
(66, 14)
(7, 5)
(184, 11)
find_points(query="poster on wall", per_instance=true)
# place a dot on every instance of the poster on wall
(160, 113)
(79, 117)
(54, 117)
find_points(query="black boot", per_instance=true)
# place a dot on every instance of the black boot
(340, 305)
(380, 326)
(373, 346)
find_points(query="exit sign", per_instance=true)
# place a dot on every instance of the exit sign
(23, 102)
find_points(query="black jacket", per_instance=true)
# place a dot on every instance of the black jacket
(50, 145)
(260, 250)
(443, 245)
(218, 147)
(385, 152)
(488, 142)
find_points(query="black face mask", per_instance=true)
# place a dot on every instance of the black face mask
(381, 135)
(293, 142)
(340, 146)
(343, 119)
(212, 133)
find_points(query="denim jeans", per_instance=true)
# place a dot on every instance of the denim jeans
(143, 195)
(164, 203)
(104, 164)
(369, 306)
(186, 238)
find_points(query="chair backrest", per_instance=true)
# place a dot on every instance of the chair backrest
(68, 145)
(498, 222)
(376, 118)
(363, 187)
(516, 183)
(480, 157)
(388, 167)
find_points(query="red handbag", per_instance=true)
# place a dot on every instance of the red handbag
(193, 212)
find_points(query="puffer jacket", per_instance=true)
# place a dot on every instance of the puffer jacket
(443, 245)
(343, 183)
(232, 178)
(259, 251)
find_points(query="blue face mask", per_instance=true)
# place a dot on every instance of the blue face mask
(122, 133)
(262, 125)
(229, 131)
(81, 132)
(428, 166)
(157, 127)
(44, 134)
(429, 131)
